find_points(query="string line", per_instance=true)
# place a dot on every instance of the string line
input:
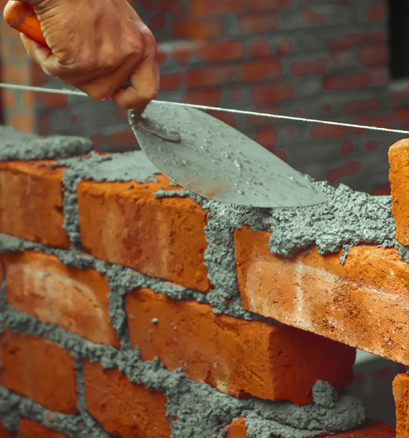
(204, 107)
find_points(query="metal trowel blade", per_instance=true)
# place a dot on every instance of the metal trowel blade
(214, 160)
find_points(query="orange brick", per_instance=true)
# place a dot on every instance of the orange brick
(259, 70)
(401, 396)
(73, 299)
(31, 429)
(5, 433)
(236, 429)
(235, 356)
(374, 429)
(124, 408)
(399, 181)
(8, 98)
(52, 101)
(352, 304)
(35, 367)
(23, 122)
(31, 202)
(163, 238)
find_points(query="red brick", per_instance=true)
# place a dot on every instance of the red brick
(205, 8)
(123, 408)
(284, 47)
(401, 396)
(23, 122)
(258, 23)
(35, 367)
(351, 304)
(260, 49)
(31, 429)
(267, 137)
(37, 75)
(222, 51)
(236, 429)
(259, 70)
(31, 202)
(347, 148)
(191, 29)
(359, 107)
(8, 98)
(44, 124)
(121, 138)
(316, 67)
(319, 131)
(399, 179)
(347, 170)
(52, 101)
(210, 96)
(373, 55)
(265, 5)
(312, 17)
(208, 76)
(73, 299)
(374, 429)
(352, 81)
(163, 238)
(277, 91)
(384, 190)
(235, 356)
(28, 99)
(171, 81)
(4, 433)
(377, 11)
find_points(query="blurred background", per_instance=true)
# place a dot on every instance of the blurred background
(340, 60)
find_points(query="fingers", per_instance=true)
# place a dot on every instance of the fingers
(36, 51)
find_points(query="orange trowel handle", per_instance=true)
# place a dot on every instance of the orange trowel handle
(21, 16)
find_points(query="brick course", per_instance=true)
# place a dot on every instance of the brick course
(31, 429)
(35, 368)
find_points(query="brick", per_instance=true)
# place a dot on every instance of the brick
(8, 98)
(258, 23)
(373, 55)
(205, 8)
(171, 81)
(236, 429)
(35, 367)
(351, 304)
(52, 101)
(352, 81)
(373, 429)
(23, 122)
(359, 107)
(260, 49)
(209, 76)
(277, 91)
(259, 70)
(377, 11)
(401, 396)
(4, 433)
(235, 356)
(191, 29)
(163, 238)
(123, 408)
(221, 51)
(399, 179)
(347, 170)
(210, 96)
(265, 5)
(73, 299)
(31, 202)
(28, 99)
(312, 17)
(122, 138)
(315, 67)
(319, 131)
(31, 429)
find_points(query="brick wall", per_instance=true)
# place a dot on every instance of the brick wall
(131, 307)
(322, 59)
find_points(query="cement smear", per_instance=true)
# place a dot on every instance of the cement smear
(15, 145)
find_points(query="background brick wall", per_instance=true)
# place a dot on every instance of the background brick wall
(322, 59)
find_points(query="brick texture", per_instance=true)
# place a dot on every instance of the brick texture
(235, 356)
(31, 190)
(31, 429)
(124, 223)
(352, 304)
(123, 408)
(399, 181)
(38, 369)
(401, 396)
(73, 299)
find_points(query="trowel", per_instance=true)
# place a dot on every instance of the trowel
(198, 151)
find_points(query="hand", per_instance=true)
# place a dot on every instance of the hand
(95, 45)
